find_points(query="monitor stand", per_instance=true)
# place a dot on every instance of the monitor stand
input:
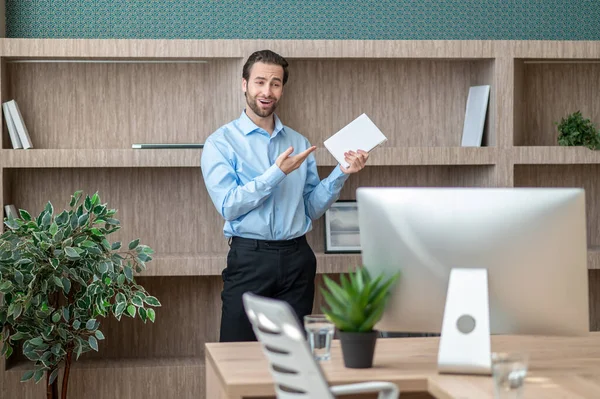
(465, 338)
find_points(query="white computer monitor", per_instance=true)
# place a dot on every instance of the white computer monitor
(478, 261)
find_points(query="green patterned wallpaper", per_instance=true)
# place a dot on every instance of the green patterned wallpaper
(305, 19)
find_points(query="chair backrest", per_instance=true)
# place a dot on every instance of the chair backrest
(296, 373)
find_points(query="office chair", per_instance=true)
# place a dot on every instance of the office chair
(296, 373)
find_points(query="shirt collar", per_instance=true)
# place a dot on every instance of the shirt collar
(247, 126)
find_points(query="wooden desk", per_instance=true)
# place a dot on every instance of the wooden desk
(566, 368)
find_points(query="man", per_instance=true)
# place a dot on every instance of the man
(262, 178)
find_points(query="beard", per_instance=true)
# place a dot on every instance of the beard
(253, 103)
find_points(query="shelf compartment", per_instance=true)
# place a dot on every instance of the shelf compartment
(160, 158)
(581, 176)
(415, 103)
(548, 90)
(104, 105)
(168, 209)
(151, 377)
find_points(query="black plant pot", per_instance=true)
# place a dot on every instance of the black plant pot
(358, 348)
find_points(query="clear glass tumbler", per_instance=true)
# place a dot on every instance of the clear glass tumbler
(508, 372)
(319, 331)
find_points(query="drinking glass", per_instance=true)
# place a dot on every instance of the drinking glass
(319, 333)
(508, 372)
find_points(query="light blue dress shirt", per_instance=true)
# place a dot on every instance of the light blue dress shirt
(256, 199)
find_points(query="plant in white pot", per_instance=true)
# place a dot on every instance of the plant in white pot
(59, 276)
(354, 306)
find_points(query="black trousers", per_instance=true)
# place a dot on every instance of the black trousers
(276, 269)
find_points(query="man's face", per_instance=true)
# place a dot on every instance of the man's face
(264, 88)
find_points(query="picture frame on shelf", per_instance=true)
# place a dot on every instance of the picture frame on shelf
(342, 234)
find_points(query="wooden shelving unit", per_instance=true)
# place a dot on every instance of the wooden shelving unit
(86, 101)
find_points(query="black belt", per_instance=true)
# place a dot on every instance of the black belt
(251, 242)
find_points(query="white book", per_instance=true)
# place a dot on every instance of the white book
(475, 112)
(360, 134)
(10, 210)
(19, 124)
(12, 130)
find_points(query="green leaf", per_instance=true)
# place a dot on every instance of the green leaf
(99, 335)
(116, 222)
(71, 253)
(120, 279)
(27, 375)
(54, 262)
(18, 308)
(88, 244)
(128, 273)
(121, 298)
(96, 232)
(152, 301)
(46, 219)
(91, 324)
(119, 309)
(65, 314)
(37, 376)
(95, 198)
(57, 281)
(134, 243)
(37, 341)
(76, 324)
(116, 245)
(53, 229)
(88, 203)
(19, 277)
(143, 314)
(131, 310)
(24, 215)
(93, 342)
(151, 314)
(56, 317)
(6, 286)
(53, 376)
(62, 218)
(337, 291)
(137, 301)
(66, 285)
(102, 267)
(83, 219)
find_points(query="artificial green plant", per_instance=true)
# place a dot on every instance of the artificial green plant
(357, 303)
(59, 276)
(575, 130)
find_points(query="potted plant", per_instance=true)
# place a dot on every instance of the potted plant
(59, 275)
(574, 130)
(354, 306)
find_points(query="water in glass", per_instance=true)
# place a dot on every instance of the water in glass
(509, 372)
(319, 333)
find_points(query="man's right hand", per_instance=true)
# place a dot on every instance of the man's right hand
(288, 164)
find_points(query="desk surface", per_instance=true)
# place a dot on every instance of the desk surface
(560, 367)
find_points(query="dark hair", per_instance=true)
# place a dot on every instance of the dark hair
(267, 57)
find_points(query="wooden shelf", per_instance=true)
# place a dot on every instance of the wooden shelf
(541, 155)
(213, 264)
(98, 158)
(126, 158)
(217, 48)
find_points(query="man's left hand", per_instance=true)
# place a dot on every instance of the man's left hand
(356, 161)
